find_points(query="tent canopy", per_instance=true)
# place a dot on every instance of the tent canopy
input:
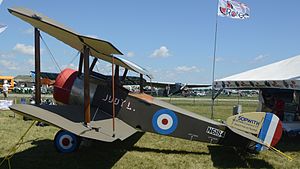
(284, 74)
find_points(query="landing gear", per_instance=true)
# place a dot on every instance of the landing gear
(66, 142)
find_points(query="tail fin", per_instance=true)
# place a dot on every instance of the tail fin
(271, 131)
(266, 127)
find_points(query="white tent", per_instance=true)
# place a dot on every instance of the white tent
(284, 74)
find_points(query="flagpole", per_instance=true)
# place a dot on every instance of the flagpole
(227, 9)
(213, 69)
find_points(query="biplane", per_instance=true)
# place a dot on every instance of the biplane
(2, 27)
(171, 88)
(92, 105)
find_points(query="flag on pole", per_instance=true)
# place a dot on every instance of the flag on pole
(2, 28)
(233, 9)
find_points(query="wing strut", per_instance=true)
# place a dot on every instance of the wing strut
(87, 102)
(80, 65)
(113, 92)
(37, 66)
(124, 75)
(141, 84)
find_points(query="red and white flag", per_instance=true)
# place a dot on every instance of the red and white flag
(233, 9)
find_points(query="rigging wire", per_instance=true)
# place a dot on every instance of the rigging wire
(51, 54)
(13, 150)
(74, 58)
(97, 66)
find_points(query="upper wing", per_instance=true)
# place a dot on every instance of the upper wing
(70, 118)
(98, 48)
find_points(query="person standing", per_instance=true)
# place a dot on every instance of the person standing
(5, 89)
(279, 108)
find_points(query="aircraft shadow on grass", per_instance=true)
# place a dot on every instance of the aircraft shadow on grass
(230, 157)
(106, 155)
(97, 155)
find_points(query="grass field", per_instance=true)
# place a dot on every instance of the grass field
(142, 150)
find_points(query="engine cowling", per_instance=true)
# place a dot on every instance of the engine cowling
(63, 85)
(69, 88)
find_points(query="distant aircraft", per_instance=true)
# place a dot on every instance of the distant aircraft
(2, 28)
(169, 87)
(95, 106)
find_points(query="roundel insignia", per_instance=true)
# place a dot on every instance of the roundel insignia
(164, 121)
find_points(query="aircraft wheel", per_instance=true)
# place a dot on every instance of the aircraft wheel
(66, 142)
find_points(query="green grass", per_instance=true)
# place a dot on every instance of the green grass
(140, 151)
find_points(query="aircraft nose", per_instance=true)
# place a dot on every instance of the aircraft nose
(63, 85)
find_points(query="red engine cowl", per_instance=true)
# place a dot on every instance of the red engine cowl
(63, 85)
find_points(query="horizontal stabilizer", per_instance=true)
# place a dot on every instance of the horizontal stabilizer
(247, 122)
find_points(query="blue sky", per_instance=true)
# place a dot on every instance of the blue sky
(172, 39)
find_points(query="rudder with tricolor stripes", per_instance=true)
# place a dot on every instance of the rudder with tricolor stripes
(271, 131)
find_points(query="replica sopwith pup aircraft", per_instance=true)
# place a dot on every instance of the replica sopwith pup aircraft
(92, 105)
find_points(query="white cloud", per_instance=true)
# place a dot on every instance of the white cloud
(6, 55)
(24, 49)
(184, 69)
(260, 57)
(162, 52)
(130, 54)
(6, 64)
